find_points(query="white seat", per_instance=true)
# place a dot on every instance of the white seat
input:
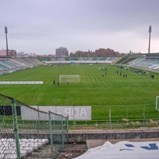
(8, 147)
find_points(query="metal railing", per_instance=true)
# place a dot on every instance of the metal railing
(24, 129)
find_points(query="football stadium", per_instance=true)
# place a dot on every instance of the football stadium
(79, 79)
(53, 108)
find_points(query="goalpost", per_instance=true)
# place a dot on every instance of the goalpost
(69, 78)
(157, 103)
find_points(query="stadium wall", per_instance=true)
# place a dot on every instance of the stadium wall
(78, 62)
(81, 136)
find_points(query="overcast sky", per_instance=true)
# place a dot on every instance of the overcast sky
(41, 26)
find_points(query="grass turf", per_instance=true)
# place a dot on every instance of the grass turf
(132, 97)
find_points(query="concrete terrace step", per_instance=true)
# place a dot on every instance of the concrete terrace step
(43, 153)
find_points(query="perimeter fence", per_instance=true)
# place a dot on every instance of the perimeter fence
(120, 117)
(24, 131)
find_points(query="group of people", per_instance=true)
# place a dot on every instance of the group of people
(104, 71)
(54, 82)
(121, 74)
(58, 83)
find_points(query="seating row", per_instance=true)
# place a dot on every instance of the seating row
(8, 147)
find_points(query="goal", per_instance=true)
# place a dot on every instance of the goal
(157, 103)
(69, 78)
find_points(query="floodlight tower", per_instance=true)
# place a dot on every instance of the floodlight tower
(6, 32)
(149, 45)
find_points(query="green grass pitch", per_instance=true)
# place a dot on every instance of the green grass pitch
(128, 97)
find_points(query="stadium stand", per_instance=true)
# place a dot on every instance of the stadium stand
(2, 67)
(83, 60)
(8, 65)
(8, 147)
(144, 61)
(150, 64)
(125, 60)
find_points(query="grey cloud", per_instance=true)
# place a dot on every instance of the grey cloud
(58, 22)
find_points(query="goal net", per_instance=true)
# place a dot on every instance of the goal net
(157, 103)
(69, 78)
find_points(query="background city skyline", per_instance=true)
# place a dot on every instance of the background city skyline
(42, 26)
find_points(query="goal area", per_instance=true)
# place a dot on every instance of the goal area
(69, 78)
